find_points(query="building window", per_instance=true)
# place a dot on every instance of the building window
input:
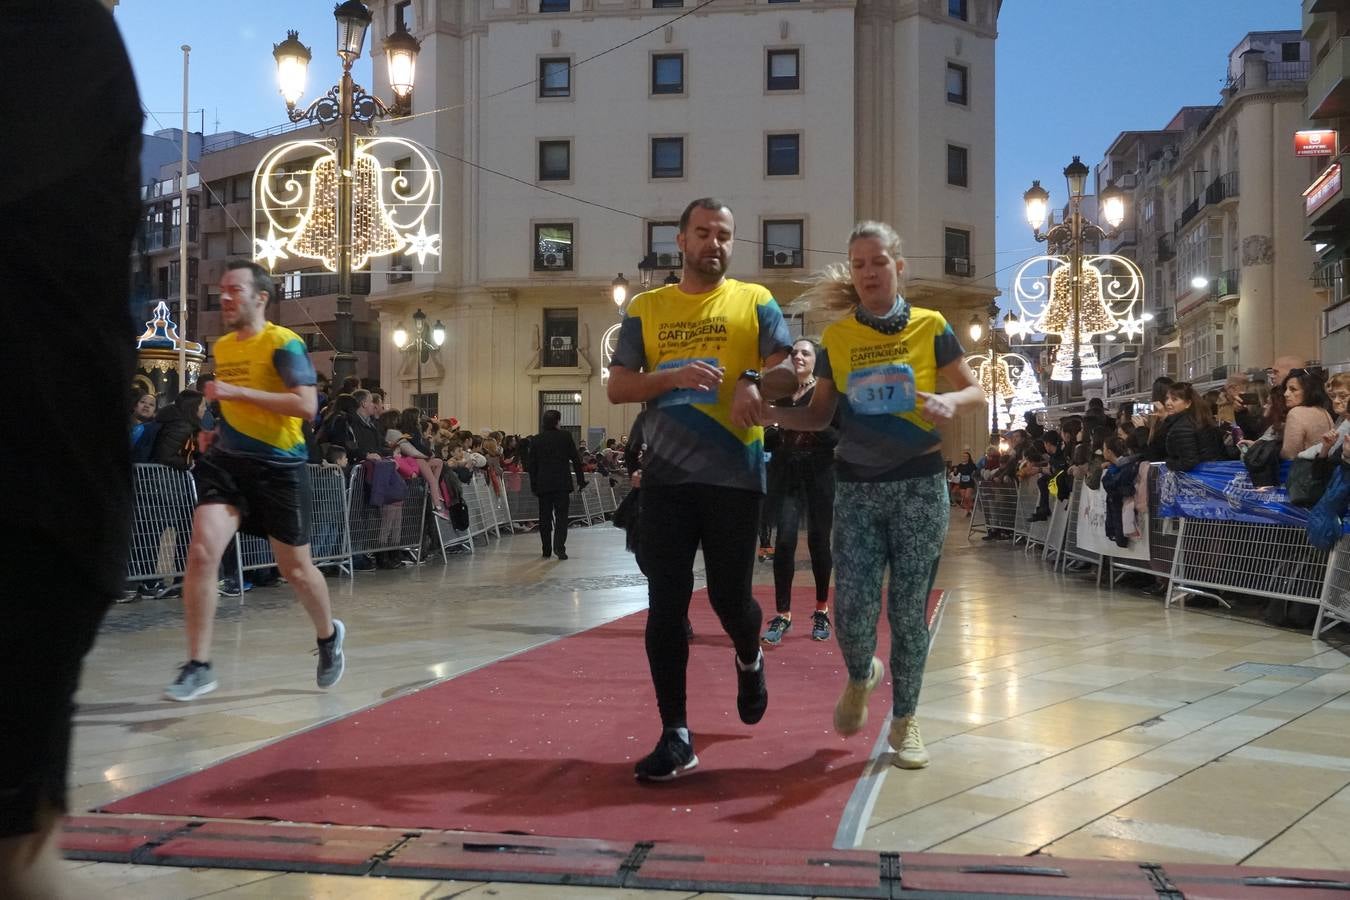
(213, 300)
(560, 338)
(784, 155)
(668, 157)
(661, 244)
(784, 70)
(553, 247)
(1291, 51)
(783, 243)
(958, 163)
(555, 160)
(555, 77)
(957, 83)
(568, 405)
(555, 5)
(243, 188)
(958, 9)
(668, 73)
(957, 252)
(667, 4)
(428, 404)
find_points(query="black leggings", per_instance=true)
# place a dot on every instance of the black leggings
(676, 519)
(813, 488)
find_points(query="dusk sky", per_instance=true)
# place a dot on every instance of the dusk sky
(1072, 74)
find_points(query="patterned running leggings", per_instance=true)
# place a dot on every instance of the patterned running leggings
(895, 524)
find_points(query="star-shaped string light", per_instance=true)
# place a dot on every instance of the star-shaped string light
(270, 248)
(423, 244)
(1131, 327)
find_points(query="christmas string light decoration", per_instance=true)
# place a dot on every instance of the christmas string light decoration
(295, 198)
(1111, 290)
(1062, 360)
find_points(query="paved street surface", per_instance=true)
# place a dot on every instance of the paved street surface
(1061, 718)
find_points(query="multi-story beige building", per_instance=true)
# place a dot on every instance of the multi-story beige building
(1326, 202)
(572, 134)
(1242, 291)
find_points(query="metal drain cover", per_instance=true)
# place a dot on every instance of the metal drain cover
(1255, 668)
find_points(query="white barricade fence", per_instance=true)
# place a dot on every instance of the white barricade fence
(1056, 530)
(482, 517)
(162, 525)
(1260, 560)
(392, 526)
(1072, 548)
(585, 508)
(623, 486)
(1162, 537)
(520, 500)
(1335, 601)
(1028, 499)
(329, 535)
(995, 507)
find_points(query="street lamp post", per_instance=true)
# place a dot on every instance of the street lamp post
(344, 104)
(422, 343)
(977, 328)
(1067, 238)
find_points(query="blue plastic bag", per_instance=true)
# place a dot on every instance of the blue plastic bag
(1324, 520)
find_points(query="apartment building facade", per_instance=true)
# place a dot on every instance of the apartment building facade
(571, 135)
(1326, 24)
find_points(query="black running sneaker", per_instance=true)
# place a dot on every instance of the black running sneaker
(672, 758)
(752, 694)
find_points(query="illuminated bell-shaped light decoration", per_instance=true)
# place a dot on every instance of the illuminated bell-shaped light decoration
(1093, 315)
(400, 51)
(292, 67)
(352, 21)
(372, 233)
(993, 377)
(1062, 370)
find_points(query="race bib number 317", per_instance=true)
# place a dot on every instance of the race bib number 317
(882, 390)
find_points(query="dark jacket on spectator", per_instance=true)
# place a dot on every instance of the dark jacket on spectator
(1118, 480)
(176, 441)
(551, 450)
(1186, 446)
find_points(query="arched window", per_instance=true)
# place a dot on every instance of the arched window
(1232, 150)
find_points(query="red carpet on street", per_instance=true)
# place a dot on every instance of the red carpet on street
(544, 743)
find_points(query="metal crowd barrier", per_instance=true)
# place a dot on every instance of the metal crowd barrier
(1260, 560)
(1071, 548)
(330, 538)
(1029, 532)
(520, 500)
(162, 525)
(394, 526)
(1056, 530)
(590, 509)
(622, 485)
(1162, 536)
(1334, 605)
(995, 507)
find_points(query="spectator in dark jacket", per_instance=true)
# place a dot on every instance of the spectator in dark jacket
(179, 423)
(551, 452)
(1189, 434)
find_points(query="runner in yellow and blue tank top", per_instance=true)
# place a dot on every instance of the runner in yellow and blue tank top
(253, 479)
(693, 353)
(879, 367)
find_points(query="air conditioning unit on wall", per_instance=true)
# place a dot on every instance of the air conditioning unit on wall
(554, 261)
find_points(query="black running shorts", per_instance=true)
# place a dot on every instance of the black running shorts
(273, 499)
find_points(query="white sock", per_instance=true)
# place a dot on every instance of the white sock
(750, 667)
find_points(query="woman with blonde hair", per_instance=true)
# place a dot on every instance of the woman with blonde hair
(878, 365)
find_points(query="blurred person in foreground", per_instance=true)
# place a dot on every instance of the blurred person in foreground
(67, 510)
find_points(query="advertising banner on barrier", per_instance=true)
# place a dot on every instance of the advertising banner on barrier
(1092, 528)
(1224, 491)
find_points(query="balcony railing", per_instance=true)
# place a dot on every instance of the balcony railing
(322, 285)
(1298, 70)
(1165, 321)
(1222, 188)
(1167, 247)
(1190, 212)
(1226, 285)
(164, 239)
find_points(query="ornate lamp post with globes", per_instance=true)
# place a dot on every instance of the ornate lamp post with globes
(1067, 237)
(422, 344)
(345, 104)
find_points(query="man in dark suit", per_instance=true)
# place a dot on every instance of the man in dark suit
(550, 453)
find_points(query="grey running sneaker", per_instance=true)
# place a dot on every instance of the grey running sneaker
(820, 626)
(332, 661)
(194, 680)
(672, 758)
(778, 626)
